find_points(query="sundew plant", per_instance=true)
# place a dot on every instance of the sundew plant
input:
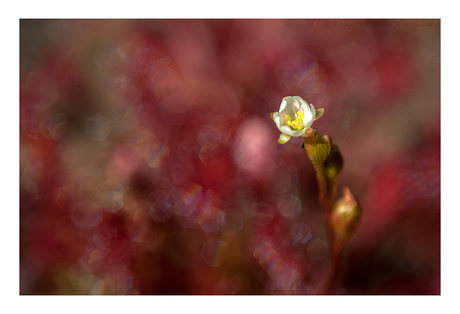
(294, 119)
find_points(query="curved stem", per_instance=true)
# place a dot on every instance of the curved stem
(336, 258)
(326, 201)
(327, 193)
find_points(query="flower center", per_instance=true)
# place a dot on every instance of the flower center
(297, 123)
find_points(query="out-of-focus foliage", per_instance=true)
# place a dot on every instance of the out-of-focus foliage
(150, 165)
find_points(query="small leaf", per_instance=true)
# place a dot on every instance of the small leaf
(283, 138)
(319, 113)
(271, 115)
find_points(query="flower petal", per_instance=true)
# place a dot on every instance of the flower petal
(283, 104)
(276, 118)
(288, 131)
(308, 119)
(309, 116)
(302, 103)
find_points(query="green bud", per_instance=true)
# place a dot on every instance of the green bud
(345, 215)
(334, 163)
(317, 146)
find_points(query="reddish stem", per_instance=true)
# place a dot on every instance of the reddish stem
(327, 196)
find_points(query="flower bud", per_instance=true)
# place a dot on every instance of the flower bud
(345, 215)
(317, 146)
(334, 163)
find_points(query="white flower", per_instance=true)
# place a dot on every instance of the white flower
(294, 117)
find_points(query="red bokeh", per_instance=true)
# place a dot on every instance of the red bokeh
(150, 165)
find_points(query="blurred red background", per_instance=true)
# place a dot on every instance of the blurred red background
(149, 163)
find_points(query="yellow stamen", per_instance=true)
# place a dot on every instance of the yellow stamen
(297, 123)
